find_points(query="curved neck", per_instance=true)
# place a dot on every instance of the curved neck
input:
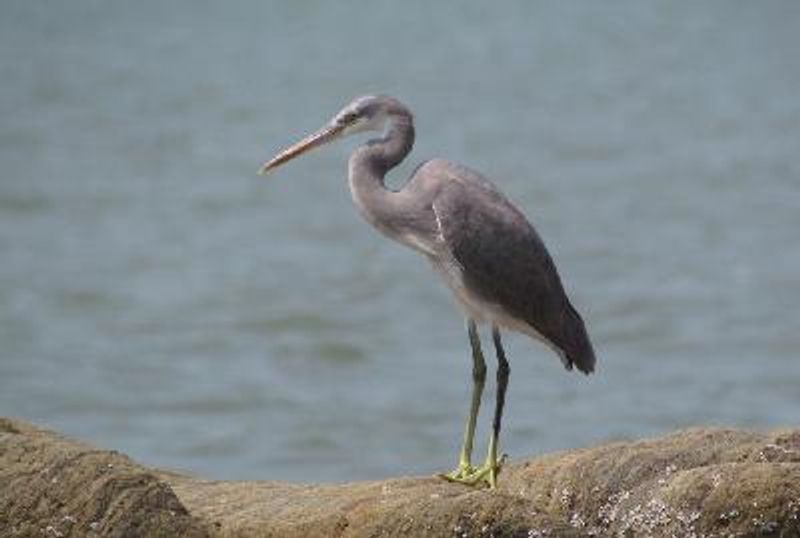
(368, 166)
(380, 155)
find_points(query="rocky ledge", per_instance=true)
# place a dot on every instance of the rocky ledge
(698, 482)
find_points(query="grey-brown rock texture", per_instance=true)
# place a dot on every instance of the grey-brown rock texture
(698, 482)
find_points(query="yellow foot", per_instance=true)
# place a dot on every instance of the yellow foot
(474, 476)
(464, 471)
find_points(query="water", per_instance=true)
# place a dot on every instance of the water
(159, 298)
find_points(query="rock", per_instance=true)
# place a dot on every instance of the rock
(51, 486)
(698, 482)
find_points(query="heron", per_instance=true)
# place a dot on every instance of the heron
(483, 246)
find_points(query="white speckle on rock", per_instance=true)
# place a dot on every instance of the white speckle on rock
(535, 533)
(716, 480)
(657, 518)
(727, 516)
(608, 512)
(566, 497)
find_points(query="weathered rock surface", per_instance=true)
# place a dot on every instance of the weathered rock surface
(699, 482)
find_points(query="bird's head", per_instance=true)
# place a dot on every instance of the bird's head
(367, 113)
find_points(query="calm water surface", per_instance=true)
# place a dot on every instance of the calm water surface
(159, 298)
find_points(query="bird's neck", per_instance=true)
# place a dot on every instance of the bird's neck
(369, 165)
(371, 161)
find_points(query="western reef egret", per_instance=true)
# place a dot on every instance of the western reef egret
(485, 249)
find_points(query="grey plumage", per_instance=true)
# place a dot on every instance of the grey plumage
(486, 250)
(504, 262)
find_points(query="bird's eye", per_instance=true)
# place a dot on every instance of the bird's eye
(350, 117)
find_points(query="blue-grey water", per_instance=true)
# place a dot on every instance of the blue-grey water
(159, 298)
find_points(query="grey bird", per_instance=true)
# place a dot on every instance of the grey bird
(485, 249)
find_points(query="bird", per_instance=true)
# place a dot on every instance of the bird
(482, 245)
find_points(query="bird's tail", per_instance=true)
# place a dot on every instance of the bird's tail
(577, 346)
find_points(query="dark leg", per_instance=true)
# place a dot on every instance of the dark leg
(503, 372)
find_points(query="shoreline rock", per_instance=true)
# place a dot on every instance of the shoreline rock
(696, 482)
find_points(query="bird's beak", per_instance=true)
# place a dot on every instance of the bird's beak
(323, 136)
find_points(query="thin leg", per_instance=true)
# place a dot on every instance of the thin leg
(503, 372)
(465, 468)
(488, 471)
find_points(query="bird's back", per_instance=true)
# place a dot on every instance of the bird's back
(502, 260)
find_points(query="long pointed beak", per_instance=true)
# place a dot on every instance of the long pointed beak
(323, 136)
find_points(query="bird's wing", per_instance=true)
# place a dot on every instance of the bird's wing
(504, 262)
